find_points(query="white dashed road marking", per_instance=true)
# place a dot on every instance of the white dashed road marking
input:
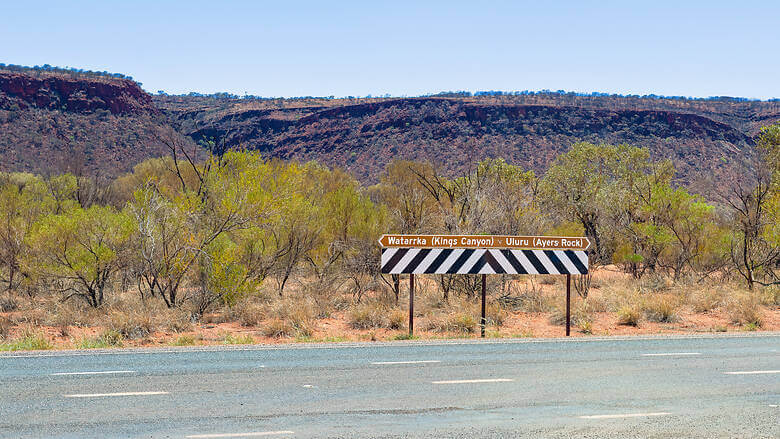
(254, 434)
(102, 372)
(100, 395)
(405, 362)
(625, 415)
(751, 372)
(486, 380)
(671, 354)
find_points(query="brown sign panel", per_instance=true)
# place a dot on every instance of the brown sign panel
(485, 241)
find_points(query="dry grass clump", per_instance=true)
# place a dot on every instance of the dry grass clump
(131, 324)
(8, 304)
(654, 283)
(367, 316)
(527, 297)
(705, 299)
(5, 327)
(581, 314)
(661, 308)
(771, 296)
(107, 339)
(458, 322)
(291, 318)
(373, 316)
(629, 315)
(744, 309)
(247, 313)
(278, 328)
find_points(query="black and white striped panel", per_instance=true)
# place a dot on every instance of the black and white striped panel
(483, 261)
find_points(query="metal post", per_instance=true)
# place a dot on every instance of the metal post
(483, 322)
(411, 304)
(568, 304)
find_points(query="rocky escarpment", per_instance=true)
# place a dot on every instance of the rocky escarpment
(453, 133)
(73, 93)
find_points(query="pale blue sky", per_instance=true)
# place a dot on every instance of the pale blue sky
(298, 48)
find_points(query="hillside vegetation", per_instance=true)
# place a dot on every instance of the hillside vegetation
(283, 247)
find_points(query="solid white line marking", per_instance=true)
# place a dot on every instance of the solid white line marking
(486, 380)
(405, 362)
(98, 395)
(751, 372)
(669, 354)
(626, 415)
(254, 434)
(102, 372)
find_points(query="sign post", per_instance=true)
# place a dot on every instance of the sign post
(483, 321)
(411, 304)
(484, 254)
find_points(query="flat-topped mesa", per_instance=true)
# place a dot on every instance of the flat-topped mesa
(73, 93)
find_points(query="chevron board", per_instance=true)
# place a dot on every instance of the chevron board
(483, 261)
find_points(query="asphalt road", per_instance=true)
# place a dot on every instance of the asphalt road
(705, 386)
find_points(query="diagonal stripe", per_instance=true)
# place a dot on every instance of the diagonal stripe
(439, 260)
(568, 264)
(392, 261)
(548, 265)
(556, 262)
(491, 260)
(477, 267)
(461, 260)
(512, 259)
(502, 260)
(404, 261)
(579, 259)
(538, 268)
(412, 265)
(434, 253)
(475, 259)
(523, 259)
(454, 256)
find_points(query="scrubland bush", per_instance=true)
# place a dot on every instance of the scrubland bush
(238, 339)
(184, 340)
(629, 315)
(367, 316)
(744, 309)
(5, 327)
(131, 325)
(28, 340)
(581, 314)
(107, 339)
(661, 308)
(8, 304)
(705, 299)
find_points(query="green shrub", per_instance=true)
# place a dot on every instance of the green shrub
(184, 340)
(107, 339)
(28, 341)
(238, 339)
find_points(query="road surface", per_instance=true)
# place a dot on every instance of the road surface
(681, 386)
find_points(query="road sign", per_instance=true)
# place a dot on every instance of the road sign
(483, 261)
(485, 241)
